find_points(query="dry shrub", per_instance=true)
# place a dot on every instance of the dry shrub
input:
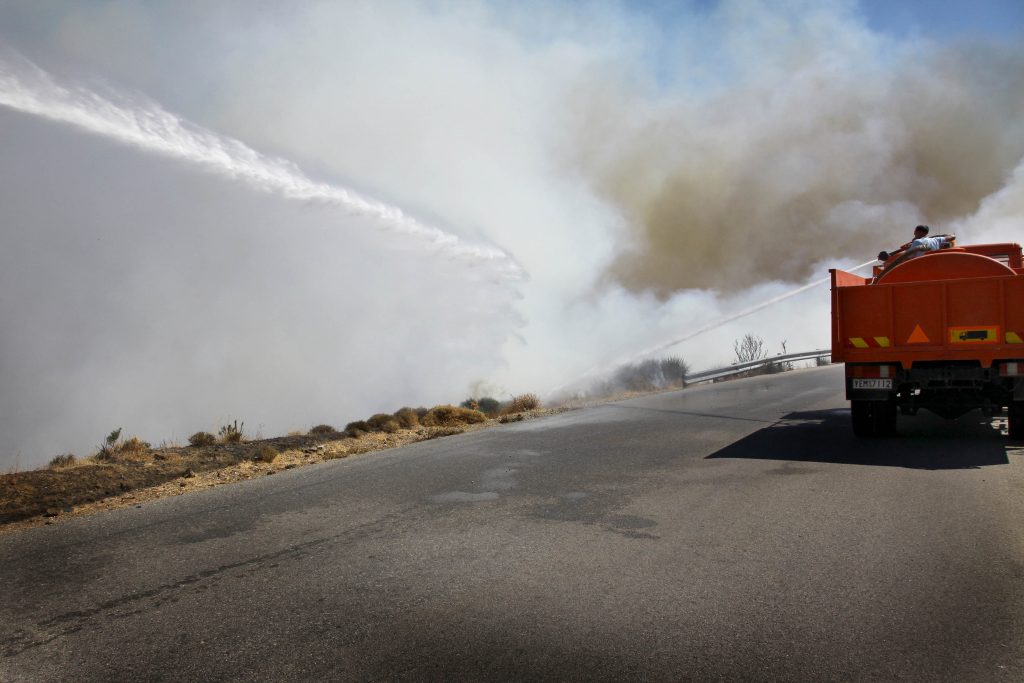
(383, 422)
(266, 453)
(408, 418)
(322, 430)
(505, 419)
(357, 429)
(522, 403)
(421, 411)
(108, 448)
(113, 448)
(200, 439)
(65, 460)
(447, 416)
(132, 446)
(232, 433)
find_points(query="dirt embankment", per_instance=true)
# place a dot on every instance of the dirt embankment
(46, 496)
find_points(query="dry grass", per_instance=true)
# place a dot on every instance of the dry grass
(66, 460)
(448, 416)
(523, 403)
(132, 447)
(437, 432)
(135, 473)
(119, 450)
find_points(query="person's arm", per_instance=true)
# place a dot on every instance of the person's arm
(905, 252)
(886, 255)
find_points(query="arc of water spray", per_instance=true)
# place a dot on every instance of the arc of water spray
(706, 328)
(27, 88)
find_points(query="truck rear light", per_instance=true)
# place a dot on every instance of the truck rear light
(1012, 369)
(871, 371)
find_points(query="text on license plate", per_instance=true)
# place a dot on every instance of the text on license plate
(872, 384)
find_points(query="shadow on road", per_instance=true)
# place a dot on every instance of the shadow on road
(924, 442)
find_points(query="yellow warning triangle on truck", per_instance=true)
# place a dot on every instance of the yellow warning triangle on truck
(918, 336)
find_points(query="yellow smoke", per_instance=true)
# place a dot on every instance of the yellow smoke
(835, 153)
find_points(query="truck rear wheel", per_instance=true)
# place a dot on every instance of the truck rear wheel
(1015, 419)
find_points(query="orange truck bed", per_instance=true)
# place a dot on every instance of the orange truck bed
(943, 331)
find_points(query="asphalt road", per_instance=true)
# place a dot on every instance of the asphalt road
(735, 531)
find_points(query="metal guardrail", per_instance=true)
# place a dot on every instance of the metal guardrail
(737, 368)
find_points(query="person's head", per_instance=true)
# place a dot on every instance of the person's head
(921, 231)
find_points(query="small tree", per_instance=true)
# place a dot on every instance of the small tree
(749, 348)
(109, 446)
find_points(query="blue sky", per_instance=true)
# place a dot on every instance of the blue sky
(944, 19)
(937, 19)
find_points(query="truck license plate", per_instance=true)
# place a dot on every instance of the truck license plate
(872, 384)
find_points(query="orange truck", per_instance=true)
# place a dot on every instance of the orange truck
(943, 331)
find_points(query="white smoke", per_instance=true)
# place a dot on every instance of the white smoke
(653, 177)
(143, 124)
